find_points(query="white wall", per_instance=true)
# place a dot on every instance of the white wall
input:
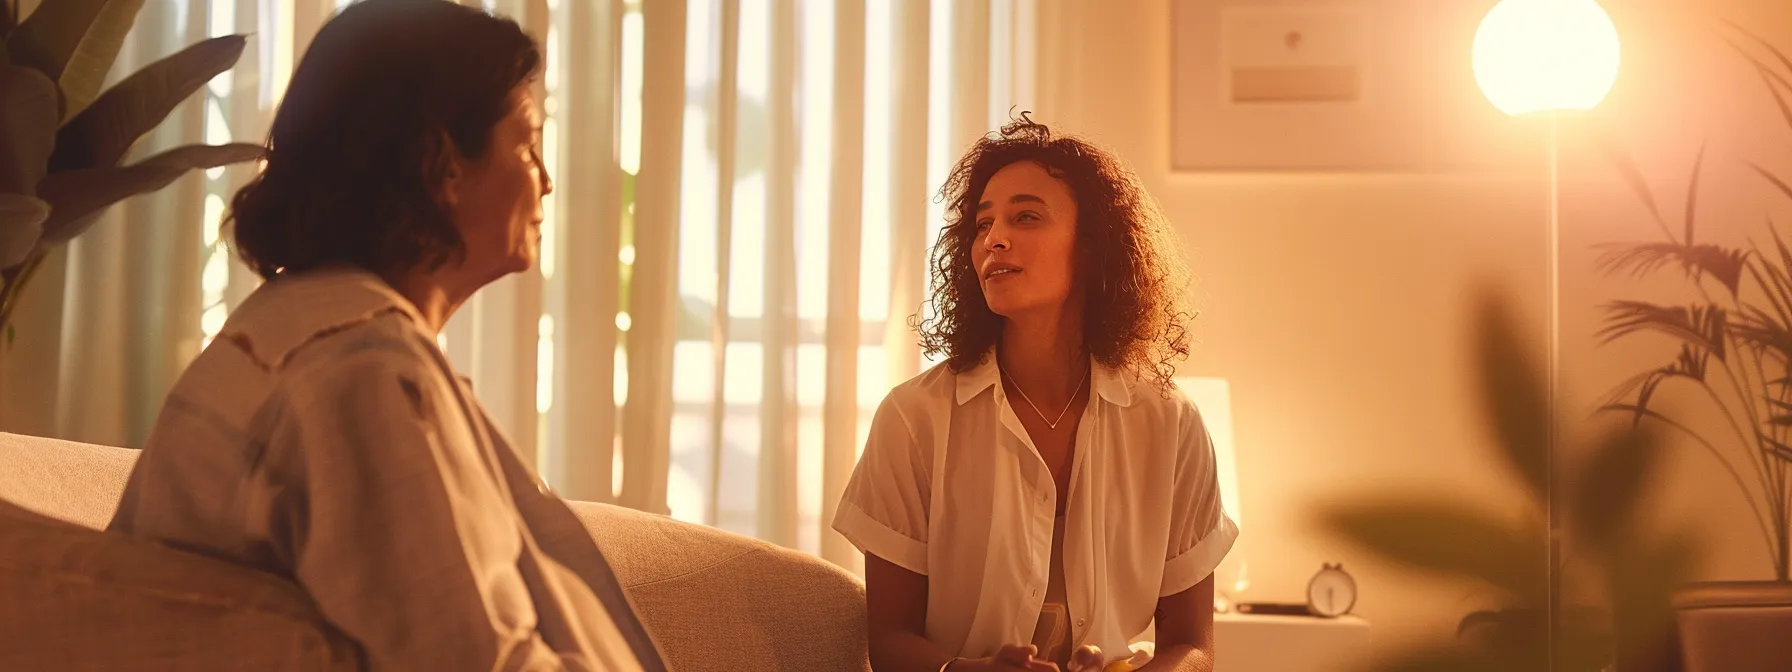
(1337, 303)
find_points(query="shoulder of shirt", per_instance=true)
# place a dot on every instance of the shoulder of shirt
(937, 387)
(922, 401)
(325, 321)
(1167, 405)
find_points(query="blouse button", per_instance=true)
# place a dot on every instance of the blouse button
(1081, 621)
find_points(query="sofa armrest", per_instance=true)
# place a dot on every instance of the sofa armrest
(78, 599)
(715, 600)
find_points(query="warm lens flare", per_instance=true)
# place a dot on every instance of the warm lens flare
(1546, 55)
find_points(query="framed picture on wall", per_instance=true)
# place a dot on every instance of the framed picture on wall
(1328, 85)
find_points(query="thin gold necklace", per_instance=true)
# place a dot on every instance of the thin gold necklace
(1053, 424)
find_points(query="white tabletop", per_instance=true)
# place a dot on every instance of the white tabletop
(1256, 643)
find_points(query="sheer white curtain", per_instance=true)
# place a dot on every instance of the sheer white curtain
(745, 197)
(814, 135)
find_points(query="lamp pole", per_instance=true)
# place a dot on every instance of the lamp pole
(1548, 56)
(1552, 441)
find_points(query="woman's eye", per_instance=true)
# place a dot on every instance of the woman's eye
(984, 224)
(1026, 217)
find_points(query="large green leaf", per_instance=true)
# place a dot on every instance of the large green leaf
(74, 42)
(1515, 393)
(1644, 578)
(99, 136)
(77, 197)
(21, 222)
(1611, 484)
(27, 127)
(1446, 538)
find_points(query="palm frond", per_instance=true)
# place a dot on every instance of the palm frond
(1773, 80)
(1775, 83)
(1735, 476)
(1700, 326)
(1774, 281)
(1778, 56)
(1756, 328)
(1777, 450)
(1773, 179)
(1692, 198)
(1722, 263)
(1781, 410)
(1688, 364)
(1632, 175)
(1623, 391)
(1781, 274)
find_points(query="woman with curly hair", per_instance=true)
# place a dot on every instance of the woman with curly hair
(1046, 496)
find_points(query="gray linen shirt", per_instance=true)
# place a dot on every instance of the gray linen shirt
(323, 437)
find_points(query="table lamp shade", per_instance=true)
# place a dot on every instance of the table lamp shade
(1546, 55)
(1213, 396)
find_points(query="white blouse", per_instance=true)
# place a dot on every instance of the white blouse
(1144, 519)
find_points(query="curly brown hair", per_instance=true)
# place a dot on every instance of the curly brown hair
(1130, 264)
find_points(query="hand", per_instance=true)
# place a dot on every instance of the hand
(1009, 659)
(1086, 658)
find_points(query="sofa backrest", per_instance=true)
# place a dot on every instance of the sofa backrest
(76, 482)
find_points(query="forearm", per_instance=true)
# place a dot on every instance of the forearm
(903, 651)
(1180, 658)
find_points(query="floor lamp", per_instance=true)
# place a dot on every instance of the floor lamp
(1541, 58)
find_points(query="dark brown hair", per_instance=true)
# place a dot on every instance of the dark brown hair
(360, 143)
(1128, 264)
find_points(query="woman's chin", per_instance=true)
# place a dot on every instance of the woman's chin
(1009, 308)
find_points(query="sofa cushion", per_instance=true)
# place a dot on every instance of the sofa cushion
(76, 482)
(720, 601)
(130, 604)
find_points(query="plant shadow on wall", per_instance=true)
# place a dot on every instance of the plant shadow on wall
(62, 139)
(1734, 339)
(1630, 571)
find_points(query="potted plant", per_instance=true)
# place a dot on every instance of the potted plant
(63, 139)
(1734, 338)
(1633, 570)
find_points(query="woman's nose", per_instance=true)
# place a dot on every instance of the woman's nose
(996, 238)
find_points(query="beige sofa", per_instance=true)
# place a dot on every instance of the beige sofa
(73, 598)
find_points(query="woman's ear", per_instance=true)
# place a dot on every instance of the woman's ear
(443, 169)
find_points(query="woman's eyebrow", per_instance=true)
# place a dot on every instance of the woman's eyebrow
(1018, 198)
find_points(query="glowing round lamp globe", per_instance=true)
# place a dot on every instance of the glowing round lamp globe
(1546, 55)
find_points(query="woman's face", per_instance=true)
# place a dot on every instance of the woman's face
(1025, 248)
(495, 201)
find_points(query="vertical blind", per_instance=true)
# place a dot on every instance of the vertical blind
(745, 196)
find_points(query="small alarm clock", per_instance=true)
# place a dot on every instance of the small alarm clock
(1332, 592)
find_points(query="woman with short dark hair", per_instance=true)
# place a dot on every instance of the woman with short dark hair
(1046, 496)
(323, 437)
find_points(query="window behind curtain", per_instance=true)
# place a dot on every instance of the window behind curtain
(730, 494)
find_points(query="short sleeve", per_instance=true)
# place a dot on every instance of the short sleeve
(884, 509)
(1200, 531)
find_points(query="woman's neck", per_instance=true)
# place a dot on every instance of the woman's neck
(1045, 355)
(435, 295)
